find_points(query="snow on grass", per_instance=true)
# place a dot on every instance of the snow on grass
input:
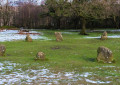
(68, 33)
(114, 36)
(97, 82)
(86, 74)
(108, 30)
(9, 75)
(30, 76)
(11, 35)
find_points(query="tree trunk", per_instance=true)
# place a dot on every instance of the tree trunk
(58, 23)
(83, 30)
(116, 20)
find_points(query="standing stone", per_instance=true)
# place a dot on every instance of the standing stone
(28, 38)
(2, 50)
(20, 31)
(40, 56)
(58, 36)
(104, 36)
(104, 54)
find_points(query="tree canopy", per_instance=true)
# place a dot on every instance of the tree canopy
(60, 14)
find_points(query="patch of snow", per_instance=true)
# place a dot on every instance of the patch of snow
(114, 36)
(29, 76)
(68, 33)
(117, 30)
(92, 37)
(97, 82)
(109, 66)
(69, 73)
(10, 35)
(1, 64)
(86, 74)
(9, 75)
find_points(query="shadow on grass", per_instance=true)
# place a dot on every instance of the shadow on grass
(38, 60)
(89, 59)
(41, 59)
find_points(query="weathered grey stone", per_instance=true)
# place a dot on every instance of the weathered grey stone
(104, 36)
(40, 56)
(104, 54)
(58, 36)
(28, 38)
(2, 50)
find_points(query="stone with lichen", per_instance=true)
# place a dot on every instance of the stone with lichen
(2, 50)
(40, 56)
(58, 36)
(104, 36)
(28, 38)
(104, 54)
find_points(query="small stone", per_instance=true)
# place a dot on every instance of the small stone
(104, 36)
(2, 50)
(58, 36)
(40, 56)
(104, 54)
(28, 38)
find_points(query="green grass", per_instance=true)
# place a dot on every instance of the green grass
(79, 52)
(75, 54)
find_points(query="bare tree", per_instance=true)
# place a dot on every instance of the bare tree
(28, 14)
(6, 13)
(1, 2)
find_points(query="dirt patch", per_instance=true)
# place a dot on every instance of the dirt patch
(8, 54)
(55, 47)
(60, 47)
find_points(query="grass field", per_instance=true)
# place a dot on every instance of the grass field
(74, 54)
